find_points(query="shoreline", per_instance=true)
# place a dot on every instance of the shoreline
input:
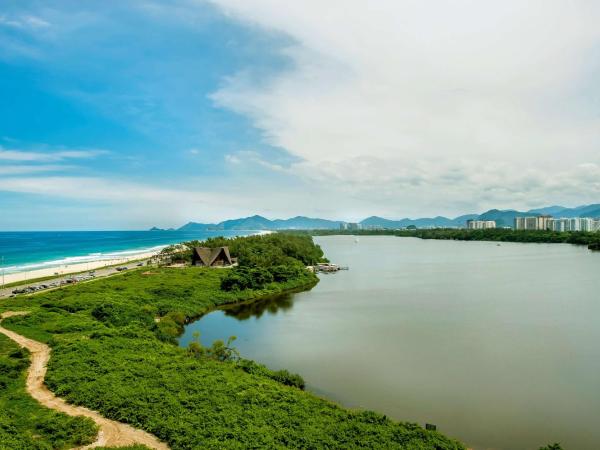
(66, 269)
(83, 262)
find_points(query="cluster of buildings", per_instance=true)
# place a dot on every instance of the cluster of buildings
(562, 224)
(352, 226)
(481, 224)
(542, 223)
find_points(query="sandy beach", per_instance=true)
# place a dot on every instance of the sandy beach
(73, 268)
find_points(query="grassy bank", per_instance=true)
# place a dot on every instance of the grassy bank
(112, 355)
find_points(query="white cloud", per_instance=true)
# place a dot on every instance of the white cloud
(175, 205)
(28, 156)
(28, 169)
(433, 105)
(232, 159)
(24, 22)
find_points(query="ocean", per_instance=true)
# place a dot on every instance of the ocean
(32, 250)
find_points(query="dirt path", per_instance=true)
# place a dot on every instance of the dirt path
(111, 434)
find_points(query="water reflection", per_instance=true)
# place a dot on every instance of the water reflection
(498, 346)
(272, 305)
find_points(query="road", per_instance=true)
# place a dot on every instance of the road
(99, 273)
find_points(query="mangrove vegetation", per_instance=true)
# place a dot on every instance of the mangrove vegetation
(591, 239)
(114, 350)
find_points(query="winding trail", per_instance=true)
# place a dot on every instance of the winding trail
(111, 434)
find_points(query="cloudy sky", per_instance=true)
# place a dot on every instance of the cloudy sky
(160, 112)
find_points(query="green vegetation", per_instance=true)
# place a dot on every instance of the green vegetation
(507, 235)
(269, 250)
(114, 350)
(552, 447)
(262, 259)
(497, 234)
(24, 423)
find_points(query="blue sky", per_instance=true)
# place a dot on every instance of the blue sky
(128, 86)
(156, 113)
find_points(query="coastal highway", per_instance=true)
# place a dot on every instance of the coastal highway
(99, 273)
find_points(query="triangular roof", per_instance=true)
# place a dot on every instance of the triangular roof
(218, 251)
(209, 255)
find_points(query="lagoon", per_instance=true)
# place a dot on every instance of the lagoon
(495, 344)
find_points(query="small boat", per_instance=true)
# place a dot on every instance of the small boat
(356, 240)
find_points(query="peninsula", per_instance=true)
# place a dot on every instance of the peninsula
(114, 352)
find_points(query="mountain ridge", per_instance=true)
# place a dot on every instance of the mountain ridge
(503, 218)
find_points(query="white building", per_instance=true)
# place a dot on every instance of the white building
(481, 224)
(559, 225)
(532, 223)
(575, 224)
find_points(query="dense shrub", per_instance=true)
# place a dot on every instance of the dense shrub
(281, 376)
(495, 234)
(266, 250)
(240, 278)
(118, 315)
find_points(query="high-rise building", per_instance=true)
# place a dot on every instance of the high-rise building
(587, 224)
(480, 224)
(532, 223)
(559, 225)
(575, 224)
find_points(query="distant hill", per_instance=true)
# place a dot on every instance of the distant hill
(304, 223)
(582, 211)
(461, 221)
(427, 222)
(549, 210)
(195, 226)
(261, 223)
(503, 218)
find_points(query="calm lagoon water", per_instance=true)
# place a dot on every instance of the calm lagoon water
(498, 346)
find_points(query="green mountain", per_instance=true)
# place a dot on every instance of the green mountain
(261, 223)
(503, 218)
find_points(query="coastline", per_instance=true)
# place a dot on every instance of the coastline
(65, 269)
(84, 258)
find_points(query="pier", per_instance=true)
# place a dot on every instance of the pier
(329, 268)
